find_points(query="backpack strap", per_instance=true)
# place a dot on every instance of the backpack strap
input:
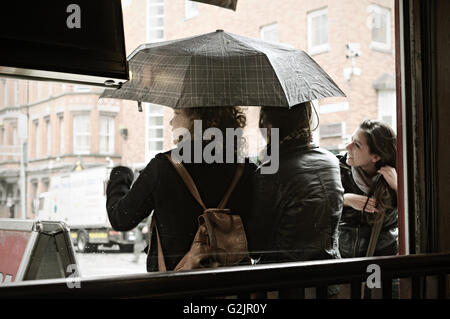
(237, 176)
(161, 262)
(193, 189)
(187, 180)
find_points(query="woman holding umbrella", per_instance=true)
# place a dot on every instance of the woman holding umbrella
(160, 189)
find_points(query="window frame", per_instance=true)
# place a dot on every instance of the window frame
(48, 128)
(340, 134)
(61, 127)
(268, 28)
(110, 134)
(375, 45)
(149, 154)
(321, 48)
(150, 4)
(189, 11)
(80, 151)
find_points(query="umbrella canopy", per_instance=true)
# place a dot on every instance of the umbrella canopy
(223, 69)
(228, 4)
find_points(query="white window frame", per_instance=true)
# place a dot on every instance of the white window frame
(190, 9)
(325, 47)
(5, 93)
(341, 134)
(108, 135)
(268, 28)
(3, 132)
(16, 92)
(81, 149)
(149, 154)
(15, 139)
(81, 88)
(387, 107)
(150, 4)
(37, 139)
(48, 125)
(334, 107)
(61, 135)
(39, 90)
(375, 10)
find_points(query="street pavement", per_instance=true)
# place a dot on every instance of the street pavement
(107, 262)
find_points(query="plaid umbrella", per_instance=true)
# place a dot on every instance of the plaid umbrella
(228, 4)
(223, 69)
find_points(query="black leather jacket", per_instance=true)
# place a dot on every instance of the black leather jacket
(296, 210)
(354, 227)
(160, 188)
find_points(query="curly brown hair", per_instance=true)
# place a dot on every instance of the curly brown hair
(220, 118)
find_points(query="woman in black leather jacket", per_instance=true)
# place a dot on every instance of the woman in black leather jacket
(370, 182)
(160, 189)
(297, 209)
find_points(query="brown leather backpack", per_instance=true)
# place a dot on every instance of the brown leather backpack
(220, 239)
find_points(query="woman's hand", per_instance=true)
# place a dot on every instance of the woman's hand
(390, 175)
(358, 201)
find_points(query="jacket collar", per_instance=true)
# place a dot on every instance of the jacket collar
(295, 145)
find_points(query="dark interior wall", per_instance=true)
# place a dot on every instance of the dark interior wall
(442, 43)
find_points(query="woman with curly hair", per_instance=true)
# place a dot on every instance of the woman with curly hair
(159, 188)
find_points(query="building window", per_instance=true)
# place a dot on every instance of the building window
(332, 130)
(16, 92)
(106, 135)
(387, 108)
(190, 9)
(81, 88)
(5, 96)
(336, 107)
(15, 140)
(81, 134)
(37, 139)
(269, 32)
(155, 129)
(318, 31)
(39, 90)
(49, 137)
(380, 22)
(61, 135)
(34, 197)
(155, 20)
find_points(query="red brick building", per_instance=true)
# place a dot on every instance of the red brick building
(67, 125)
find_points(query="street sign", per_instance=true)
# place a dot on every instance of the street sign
(32, 249)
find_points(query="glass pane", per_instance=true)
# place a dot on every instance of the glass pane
(156, 10)
(156, 22)
(155, 145)
(379, 28)
(155, 108)
(156, 133)
(156, 120)
(156, 34)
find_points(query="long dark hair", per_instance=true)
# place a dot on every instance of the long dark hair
(293, 123)
(382, 141)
